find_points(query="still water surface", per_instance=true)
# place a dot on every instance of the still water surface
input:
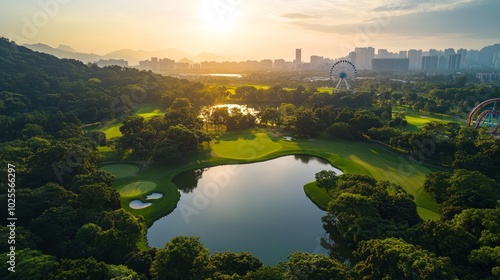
(259, 208)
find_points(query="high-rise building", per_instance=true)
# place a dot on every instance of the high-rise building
(415, 57)
(444, 61)
(472, 59)
(279, 64)
(430, 63)
(364, 57)
(315, 60)
(266, 63)
(112, 62)
(403, 54)
(434, 52)
(298, 56)
(166, 64)
(463, 58)
(383, 53)
(352, 57)
(390, 64)
(454, 62)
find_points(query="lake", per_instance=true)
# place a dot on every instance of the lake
(259, 208)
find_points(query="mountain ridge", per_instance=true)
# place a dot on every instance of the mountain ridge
(131, 55)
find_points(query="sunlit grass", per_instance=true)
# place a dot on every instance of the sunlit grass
(418, 119)
(137, 188)
(112, 128)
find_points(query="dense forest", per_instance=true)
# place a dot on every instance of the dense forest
(70, 224)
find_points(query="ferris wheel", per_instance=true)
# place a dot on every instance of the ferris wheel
(343, 73)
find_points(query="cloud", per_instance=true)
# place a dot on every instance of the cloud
(296, 16)
(466, 17)
(412, 6)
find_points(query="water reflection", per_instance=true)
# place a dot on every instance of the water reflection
(188, 181)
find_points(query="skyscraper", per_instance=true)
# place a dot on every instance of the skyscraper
(454, 62)
(298, 56)
(430, 63)
(364, 57)
(463, 54)
(415, 57)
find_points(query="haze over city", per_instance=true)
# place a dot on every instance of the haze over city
(259, 29)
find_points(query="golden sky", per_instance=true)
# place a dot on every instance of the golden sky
(258, 29)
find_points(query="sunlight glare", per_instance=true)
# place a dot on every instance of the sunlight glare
(218, 16)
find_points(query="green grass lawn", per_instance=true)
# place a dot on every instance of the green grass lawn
(112, 128)
(122, 170)
(263, 144)
(149, 110)
(416, 120)
(137, 188)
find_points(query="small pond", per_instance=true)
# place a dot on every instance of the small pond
(259, 208)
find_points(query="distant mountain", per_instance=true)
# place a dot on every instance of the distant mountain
(66, 48)
(64, 52)
(132, 56)
(185, 60)
(487, 54)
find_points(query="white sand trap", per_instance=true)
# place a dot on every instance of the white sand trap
(288, 138)
(137, 204)
(154, 196)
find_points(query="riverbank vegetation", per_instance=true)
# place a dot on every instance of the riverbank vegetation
(74, 221)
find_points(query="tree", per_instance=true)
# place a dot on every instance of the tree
(96, 177)
(312, 266)
(269, 115)
(182, 258)
(99, 197)
(141, 260)
(436, 184)
(81, 269)
(185, 139)
(341, 130)
(444, 239)
(229, 264)
(56, 227)
(266, 273)
(31, 203)
(306, 122)
(326, 179)
(167, 152)
(97, 136)
(364, 120)
(219, 117)
(132, 125)
(61, 162)
(182, 112)
(393, 258)
(29, 264)
(462, 189)
(483, 224)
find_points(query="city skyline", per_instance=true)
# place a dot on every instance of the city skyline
(241, 30)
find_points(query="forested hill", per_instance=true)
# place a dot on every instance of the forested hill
(32, 82)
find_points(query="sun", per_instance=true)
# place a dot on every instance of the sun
(218, 16)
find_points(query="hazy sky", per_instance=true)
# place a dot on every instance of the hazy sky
(257, 29)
